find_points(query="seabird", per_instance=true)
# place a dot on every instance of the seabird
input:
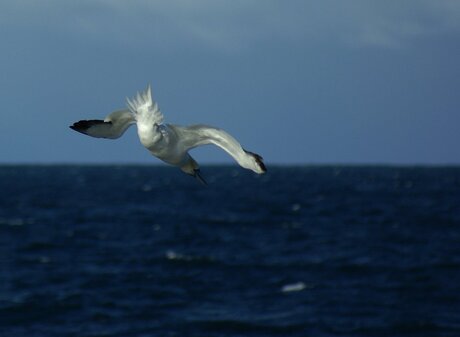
(169, 142)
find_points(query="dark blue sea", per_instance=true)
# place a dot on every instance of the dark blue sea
(301, 251)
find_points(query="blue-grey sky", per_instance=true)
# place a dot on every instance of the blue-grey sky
(322, 81)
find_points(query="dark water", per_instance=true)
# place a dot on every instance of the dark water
(148, 251)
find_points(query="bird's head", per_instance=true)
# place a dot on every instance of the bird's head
(192, 168)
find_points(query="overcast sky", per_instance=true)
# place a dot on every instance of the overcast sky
(326, 81)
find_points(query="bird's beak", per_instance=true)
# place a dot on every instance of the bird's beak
(197, 175)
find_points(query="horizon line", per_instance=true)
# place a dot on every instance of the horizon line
(214, 164)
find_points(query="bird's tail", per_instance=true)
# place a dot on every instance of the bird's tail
(144, 108)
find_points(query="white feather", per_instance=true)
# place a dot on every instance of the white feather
(144, 108)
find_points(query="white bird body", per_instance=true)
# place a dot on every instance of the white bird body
(168, 142)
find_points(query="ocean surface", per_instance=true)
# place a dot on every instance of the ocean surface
(300, 251)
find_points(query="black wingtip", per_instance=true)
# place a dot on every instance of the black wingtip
(259, 160)
(83, 125)
(77, 127)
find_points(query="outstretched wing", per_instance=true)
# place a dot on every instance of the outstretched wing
(196, 135)
(112, 127)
